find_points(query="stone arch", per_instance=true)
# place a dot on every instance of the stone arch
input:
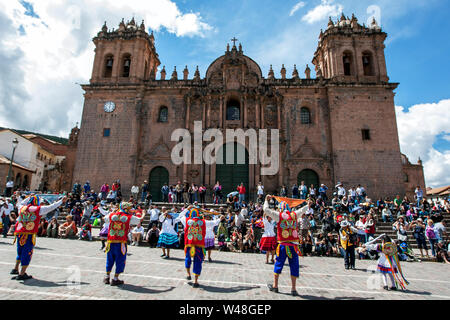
(368, 63)
(108, 65)
(158, 176)
(348, 62)
(125, 65)
(309, 176)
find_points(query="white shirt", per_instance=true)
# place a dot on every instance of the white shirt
(138, 230)
(168, 224)
(6, 210)
(260, 190)
(341, 191)
(359, 224)
(154, 214)
(310, 211)
(269, 228)
(135, 189)
(210, 225)
(10, 184)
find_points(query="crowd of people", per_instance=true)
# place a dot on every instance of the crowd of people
(336, 223)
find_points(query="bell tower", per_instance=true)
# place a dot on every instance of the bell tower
(125, 55)
(352, 53)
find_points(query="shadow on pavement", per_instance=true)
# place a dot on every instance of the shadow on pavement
(49, 284)
(225, 290)
(221, 262)
(145, 290)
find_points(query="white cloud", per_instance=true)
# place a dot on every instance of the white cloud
(39, 85)
(324, 10)
(295, 8)
(418, 129)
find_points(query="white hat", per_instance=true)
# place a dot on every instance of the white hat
(344, 224)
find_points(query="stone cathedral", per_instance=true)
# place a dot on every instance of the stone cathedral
(337, 127)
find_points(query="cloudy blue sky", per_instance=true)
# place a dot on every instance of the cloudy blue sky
(46, 51)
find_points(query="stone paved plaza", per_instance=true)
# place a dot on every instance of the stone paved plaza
(231, 276)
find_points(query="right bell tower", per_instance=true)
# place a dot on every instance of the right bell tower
(351, 53)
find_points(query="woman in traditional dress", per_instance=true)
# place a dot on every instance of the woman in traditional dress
(210, 238)
(168, 238)
(268, 241)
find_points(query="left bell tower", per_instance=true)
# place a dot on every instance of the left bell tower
(125, 55)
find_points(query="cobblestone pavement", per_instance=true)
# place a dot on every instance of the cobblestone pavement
(234, 276)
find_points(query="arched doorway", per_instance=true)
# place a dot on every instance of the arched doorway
(158, 177)
(310, 177)
(232, 175)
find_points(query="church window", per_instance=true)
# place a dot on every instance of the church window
(305, 116)
(405, 177)
(365, 134)
(109, 66)
(163, 114)
(126, 66)
(106, 132)
(367, 64)
(233, 110)
(347, 60)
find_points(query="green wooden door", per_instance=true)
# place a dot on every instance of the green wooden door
(158, 177)
(310, 177)
(232, 175)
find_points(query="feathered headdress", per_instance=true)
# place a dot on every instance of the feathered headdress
(194, 213)
(283, 206)
(34, 201)
(125, 207)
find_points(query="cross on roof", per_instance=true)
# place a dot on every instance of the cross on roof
(234, 41)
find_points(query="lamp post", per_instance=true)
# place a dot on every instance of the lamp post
(15, 142)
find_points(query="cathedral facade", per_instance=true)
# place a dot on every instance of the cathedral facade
(338, 127)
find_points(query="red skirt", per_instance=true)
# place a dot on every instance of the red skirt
(268, 244)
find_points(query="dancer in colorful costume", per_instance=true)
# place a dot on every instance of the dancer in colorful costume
(388, 263)
(268, 241)
(288, 241)
(30, 214)
(116, 248)
(194, 238)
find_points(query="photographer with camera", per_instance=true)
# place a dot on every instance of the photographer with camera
(348, 240)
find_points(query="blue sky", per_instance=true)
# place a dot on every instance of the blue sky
(47, 51)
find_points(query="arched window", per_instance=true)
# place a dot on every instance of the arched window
(163, 114)
(233, 110)
(305, 116)
(405, 177)
(347, 60)
(367, 64)
(126, 66)
(109, 62)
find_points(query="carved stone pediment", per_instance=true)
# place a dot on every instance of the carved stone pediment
(160, 151)
(306, 151)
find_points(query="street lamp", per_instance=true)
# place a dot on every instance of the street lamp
(15, 142)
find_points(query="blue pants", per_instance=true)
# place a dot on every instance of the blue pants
(241, 198)
(117, 254)
(293, 262)
(198, 260)
(25, 251)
